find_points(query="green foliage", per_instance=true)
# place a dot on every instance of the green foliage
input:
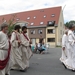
(10, 23)
(67, 23)
(10, 28)
(72, 21)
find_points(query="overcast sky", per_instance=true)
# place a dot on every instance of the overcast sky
(13, 6)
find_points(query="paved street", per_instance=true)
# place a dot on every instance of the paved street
(46, 64)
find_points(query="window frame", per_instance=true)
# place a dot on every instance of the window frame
(32, 31)
(40, 31)
(50, 38)
(50, 32)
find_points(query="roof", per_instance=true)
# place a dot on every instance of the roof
(34, 17)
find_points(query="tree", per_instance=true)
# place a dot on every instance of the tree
(11, 24)
(68, 23)
(72, 21)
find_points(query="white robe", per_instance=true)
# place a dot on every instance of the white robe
(4, 45)
(26, 53)
(25, 44)
(70, 62)
(16, 52)
(64, 52)
(29, 49)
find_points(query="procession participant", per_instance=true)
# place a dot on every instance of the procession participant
(5, 48)
(16, 49)
(25, 42)
(70, 62)
(64, 47)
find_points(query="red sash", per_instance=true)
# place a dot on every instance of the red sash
(25, 36)
(17, 39)
(4, 62)
(27, 39)
(29, 45)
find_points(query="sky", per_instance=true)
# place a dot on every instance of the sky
(14, 6)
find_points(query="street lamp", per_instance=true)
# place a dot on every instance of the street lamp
(64, 7)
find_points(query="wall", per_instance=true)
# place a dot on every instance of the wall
(60, 29)
(52, 35)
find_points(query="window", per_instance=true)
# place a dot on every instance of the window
(53, 30)
(41, 22)
(50, 39)
(44, 16)
(17, 19)
(28, 18)
(52, 15)
(32, 31)
(40, 31)
(31, 23)
(50, 31)
(23, 24)
(26, 24)
(51, 23)
(34, 17)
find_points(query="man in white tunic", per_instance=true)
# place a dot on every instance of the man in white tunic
(70, 62)
(25, 42)
(16, 50)
(64, 47)
(4, 48)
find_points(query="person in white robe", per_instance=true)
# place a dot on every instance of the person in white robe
(70, 61)
(25, 42)
(30, 53)
(4, 46)
(64, 47)
(16, 50)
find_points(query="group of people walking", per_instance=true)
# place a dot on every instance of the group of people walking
(68, 48)
(16, 51)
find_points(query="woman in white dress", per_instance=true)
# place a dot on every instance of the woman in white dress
(70, 61)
